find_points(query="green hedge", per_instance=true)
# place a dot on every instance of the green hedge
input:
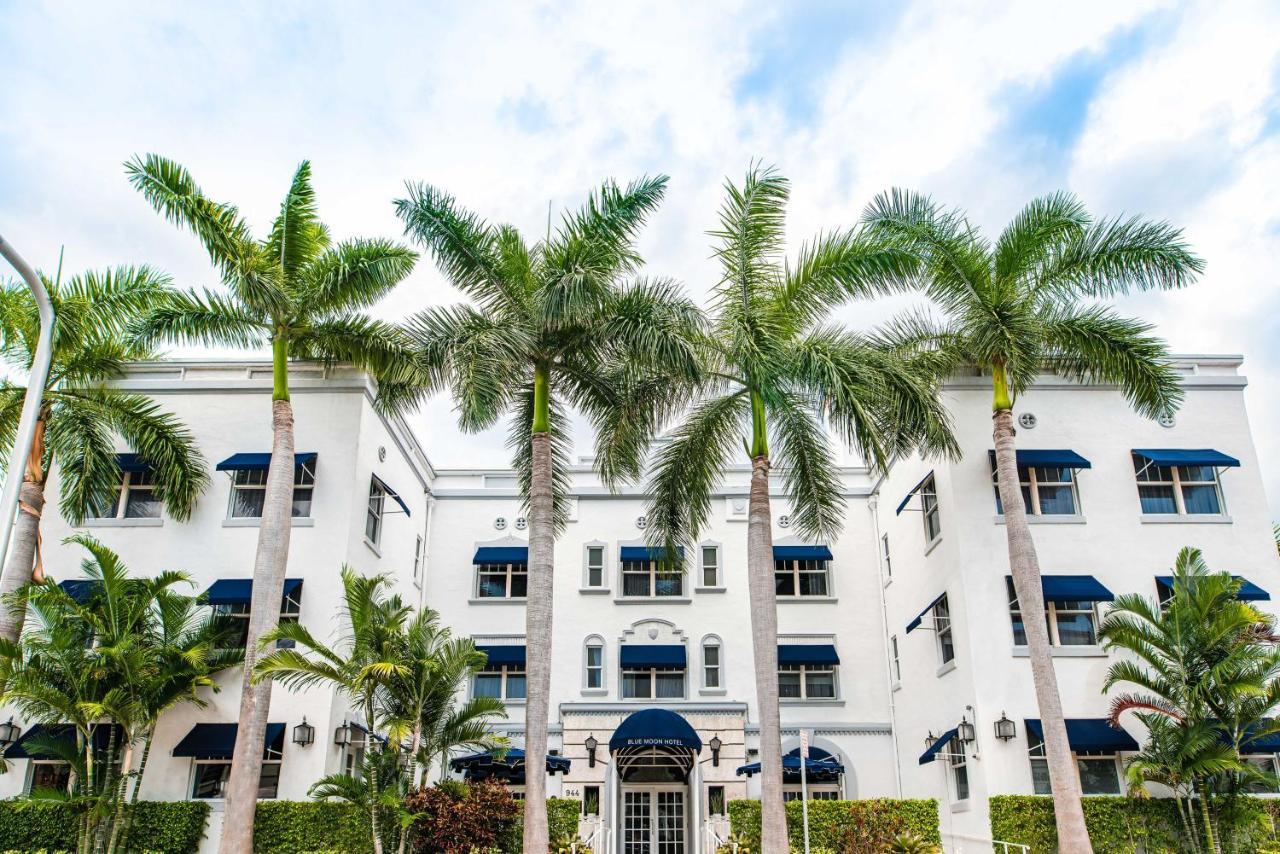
(170, 827)
(562, 820)
(1121, 825)
(831, 821)
(285, 827)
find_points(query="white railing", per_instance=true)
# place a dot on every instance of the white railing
(980, 843)
(596, 843)
(713, 838)
(1011, 847)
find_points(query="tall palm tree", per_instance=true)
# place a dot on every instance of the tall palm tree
(368, 656)
(80, 418)
(1206, 669)
(1016, 308)
(778, 372)
(552, 324)
(303, 296)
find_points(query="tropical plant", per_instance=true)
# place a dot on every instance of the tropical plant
(80, 417)
(96, 666)
(780, 374)
(552, 325)
(385, 795)
(305, 297)
(458, 819)
(1014, 309)
(1206, 669)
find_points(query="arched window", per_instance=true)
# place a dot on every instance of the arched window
(712, 664)
(593, 664)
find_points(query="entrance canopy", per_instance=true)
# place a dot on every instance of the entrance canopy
(654, 745)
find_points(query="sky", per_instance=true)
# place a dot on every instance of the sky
(1165, 109)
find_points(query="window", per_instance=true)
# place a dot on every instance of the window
(710, 566)
(651, 578)
(1099, 771)
(942, 631)
(1046, 490)
(711, 663)
(884, 552)
(817, 792)
(595, 566)
(49, 774)
(1071, 622)
(1183, 490)
(929, 504)
(715, 801)
(894, 662)
(237, 616)
(417, 562)
(959, 769)
(377, 504)
(502, 580)
(353, 756)
(1268, 785)
(801, 577)
(807, 681)
(651, 683)
(594, 664)
(502, 682)
(210, 777)
(249, 490)
(135, 499)
(591, 800)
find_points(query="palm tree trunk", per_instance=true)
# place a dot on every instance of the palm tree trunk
(414, 743)
(1211, 842)
(538, 613)
(108, 787)
(764, 641)
(26, 538)
(122, 786)
(1064, 776)
(264, 614)
(147, 739)
(374, 807)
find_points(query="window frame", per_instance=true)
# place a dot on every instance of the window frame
(593, 642)
(589, 787)
(505, 672)
(587, 567)
(508, 575)
(943, 631)
(817, 792)
(1036, 754)
(653, 574)
(716, 566)
(127, 486)
(418, 546)
(304, 478)
(796, 572)
(886, 557)
(958, 762)
(652, 673)
(708, 643)
(290, 611)
(1177, 485)
(1052, 610)
(271, 758)
(1031, 498)
(376, 512)
(805, 671)
(929, 514)
(895, 661)
(724, 800)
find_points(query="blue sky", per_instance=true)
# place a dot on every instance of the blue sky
(1162, 108)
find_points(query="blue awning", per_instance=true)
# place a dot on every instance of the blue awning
(665, 656)
(1266, 743)
(218, 741)
(1089, 734)
(131, 463)
(1185, 457)
(1072, 588)
(801, 553)
(356, 725)
(260, 462)
(27, 745)
(647, 553)
(79, 589)
(915, 624)
(820, 767)
(239, 591)
(1055, 458)
(938, 746)
(508, 655)
(913, 491)
(501, 554)
(509, 767)
(654, 728)
(1249, 592)
(393, 495)
(810, 653)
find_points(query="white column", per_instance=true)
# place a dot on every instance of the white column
(695, 805)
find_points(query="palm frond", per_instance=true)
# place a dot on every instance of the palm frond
(808, 468)
(210, 319)
(297, 236)
(355, 274)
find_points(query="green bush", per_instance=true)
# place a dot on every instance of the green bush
(169, 827)
(835, 824)
(286, 827)
(1121, 825)
(562, 820)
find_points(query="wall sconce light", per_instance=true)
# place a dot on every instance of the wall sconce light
(1005, 728)
(9, 733)
(966, 732)
(715, 744)
(591, 744)
(342, 735)
(304, 733)
(930, 739)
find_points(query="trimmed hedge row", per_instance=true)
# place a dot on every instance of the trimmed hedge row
(284, 827)
(832, 822)
(170, 827)
(1122, 825)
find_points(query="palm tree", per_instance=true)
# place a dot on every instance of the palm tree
(1207, 671)
(368, 657)
(778, 371)
(1017, 308)
(80, 417)
(305, 297)
(553, 324)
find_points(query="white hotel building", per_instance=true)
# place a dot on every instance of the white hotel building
(899, 630)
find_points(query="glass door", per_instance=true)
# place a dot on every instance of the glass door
(653, 820)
